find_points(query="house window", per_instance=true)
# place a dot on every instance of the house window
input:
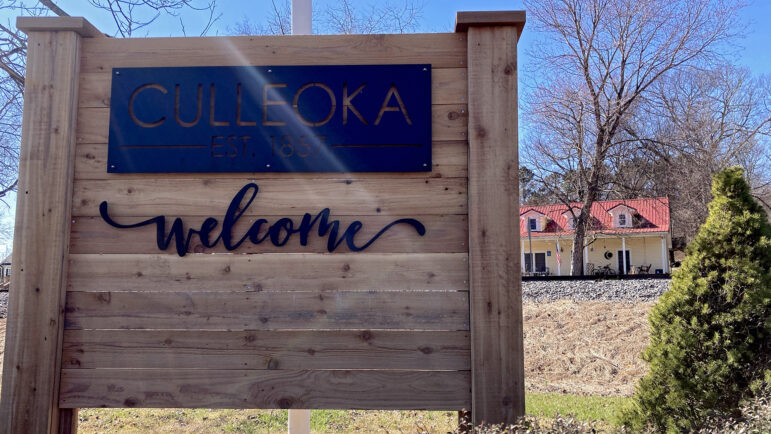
(7, 271)
(533, 224)
(622, 220)
(540, 263)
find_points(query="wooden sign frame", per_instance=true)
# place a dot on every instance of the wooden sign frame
(50, 296)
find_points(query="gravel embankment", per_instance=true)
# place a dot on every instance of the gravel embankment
(636, 290)
(3, 304)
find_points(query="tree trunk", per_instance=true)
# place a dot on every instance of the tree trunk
(577, 261)
(585, 219)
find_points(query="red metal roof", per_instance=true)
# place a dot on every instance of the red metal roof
(652, 215)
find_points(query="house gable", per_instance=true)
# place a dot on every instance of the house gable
(534, 220)
(622, 216)
(569, 218)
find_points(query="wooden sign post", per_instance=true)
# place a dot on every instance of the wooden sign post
(394, 287)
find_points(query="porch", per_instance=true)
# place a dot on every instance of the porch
(603, 256)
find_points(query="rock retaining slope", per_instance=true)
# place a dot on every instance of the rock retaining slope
(594, 290)
(3, 304)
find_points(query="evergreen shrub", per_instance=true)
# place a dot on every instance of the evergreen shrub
(710, 348)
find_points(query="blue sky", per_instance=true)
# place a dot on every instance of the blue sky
(753, 51)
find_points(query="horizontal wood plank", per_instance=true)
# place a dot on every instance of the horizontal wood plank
(441, 50)
(449, 160)
(444, 234)
(448, 122)
(155, 349)
(427, 390)
(275, 272)
(211, 197)
(311, 310)
(95, 89)
(448, 86)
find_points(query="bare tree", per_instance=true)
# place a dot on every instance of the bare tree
(696, 123)
(600, 59)
(379, 17)
(278, 22)
(129, 17)
(341, 17)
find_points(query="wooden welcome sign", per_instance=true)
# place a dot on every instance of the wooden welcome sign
(266, 222)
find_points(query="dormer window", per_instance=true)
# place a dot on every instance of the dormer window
(623, 220)
(622, 216)
(534, 221)
(570, 220)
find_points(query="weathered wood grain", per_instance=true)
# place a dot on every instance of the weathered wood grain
(449, 160)
(311, 310)
(68, 420)
(426, 390)
(448, 123)
(496, 297)
(156, 349)
(448, 86)
(211, 197)
(444, 234)
(274, 272)
(39, 272)
(441, 50)
(95, 89)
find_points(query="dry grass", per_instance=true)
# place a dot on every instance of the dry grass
(585, 348)
(261, 421)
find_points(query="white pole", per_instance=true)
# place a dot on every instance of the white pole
(532, 259)
(623, 255)
(664, 259)
(586, 258)
(300, 420)
(301, 17)
(559, 265)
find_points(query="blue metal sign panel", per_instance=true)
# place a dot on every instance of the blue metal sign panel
(359, 118)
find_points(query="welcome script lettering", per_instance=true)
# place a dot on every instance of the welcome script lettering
(278, 233)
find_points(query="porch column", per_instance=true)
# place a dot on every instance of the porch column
(664, 261)
(559, 259)
(586, 259)
(523, 256)
(623, 255)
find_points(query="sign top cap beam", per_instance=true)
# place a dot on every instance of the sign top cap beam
(78, 25)
(464, 20)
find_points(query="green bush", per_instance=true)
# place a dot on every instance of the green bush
(755, 419)
(533, 425)
(710, 347)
